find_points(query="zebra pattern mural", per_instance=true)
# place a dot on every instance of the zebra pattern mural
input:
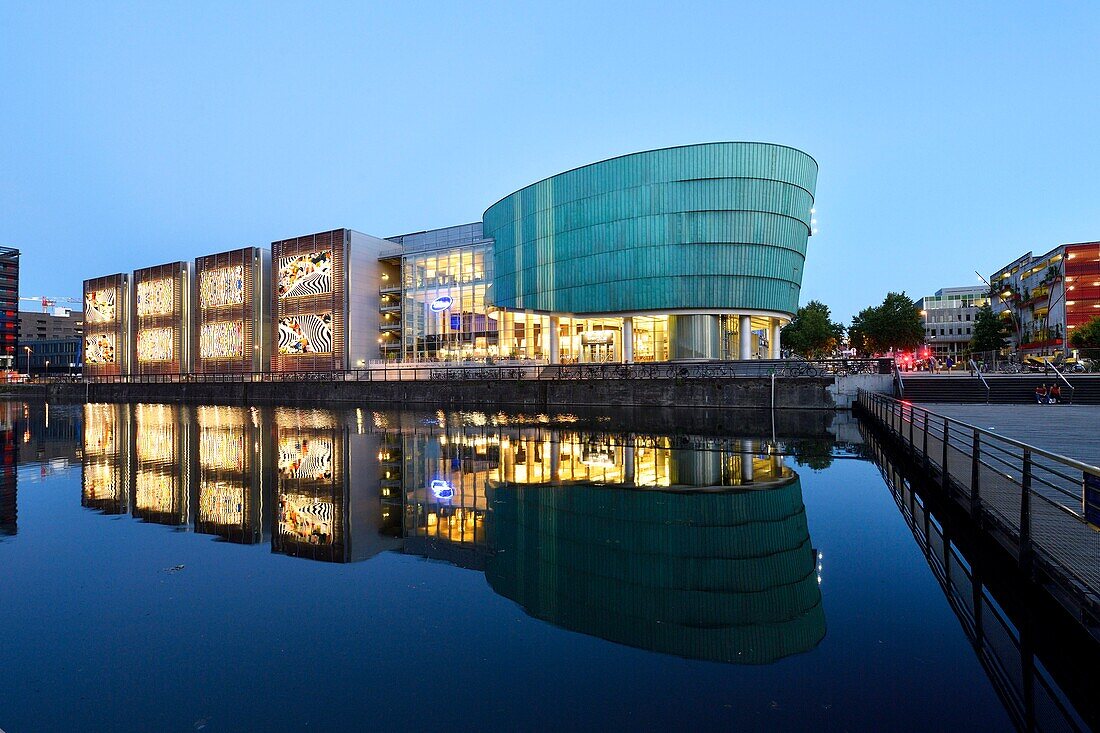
(307, 274)
(310, 333)
(305, 458)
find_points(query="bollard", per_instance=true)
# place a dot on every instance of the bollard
(975, 476)
(944, 481)
(1025, 514)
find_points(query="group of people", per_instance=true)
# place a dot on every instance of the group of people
(1045, 395)
(934, 364)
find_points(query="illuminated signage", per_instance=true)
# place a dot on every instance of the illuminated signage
(441, 489)
(440, 304)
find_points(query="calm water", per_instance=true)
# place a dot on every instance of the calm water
(180, 568)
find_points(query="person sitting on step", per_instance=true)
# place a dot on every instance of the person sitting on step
(1041, 394)
(1055, 394)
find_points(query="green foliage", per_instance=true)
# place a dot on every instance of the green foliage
(990, 331)
(811, 333)
(895, 324)
(1087, 335)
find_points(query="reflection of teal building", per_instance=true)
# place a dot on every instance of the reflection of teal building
(727, 577)
(687, 252)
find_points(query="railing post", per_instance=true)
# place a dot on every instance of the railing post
(925, 449)
(975, 475)
(1025, 513)
(912, 419)
(944, 480)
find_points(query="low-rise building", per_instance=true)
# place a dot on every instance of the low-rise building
(50, 342)
(1043, 298)
(948, 318)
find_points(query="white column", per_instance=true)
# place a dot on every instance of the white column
(555, 345)
(774, 339)
(506, 332)
(744, 331)
(628, 340)
(628, 461)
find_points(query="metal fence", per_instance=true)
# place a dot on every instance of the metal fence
(552, 372)
(1030, 500)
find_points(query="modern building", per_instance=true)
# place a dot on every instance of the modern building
(1043, 298)
(9, 306)
(948, 318)
(692, 252)
(233, 310)
(433, 302)
(325, 301)
(107, 333)
(686, 253)
(50, 342)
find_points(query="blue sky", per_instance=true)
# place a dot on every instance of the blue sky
(951, 136)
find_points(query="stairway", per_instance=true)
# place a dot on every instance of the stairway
(1004, 389)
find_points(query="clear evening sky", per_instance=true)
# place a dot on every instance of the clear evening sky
(951, 136)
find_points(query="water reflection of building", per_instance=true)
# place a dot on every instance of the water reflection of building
(162, 469)
(232, 481)
(727, 577)
(9, 462)
(107, 453)
(327, 511)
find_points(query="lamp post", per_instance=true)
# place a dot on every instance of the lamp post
(29, 351)
(47, 370)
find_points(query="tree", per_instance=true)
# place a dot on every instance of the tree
(990, 331)
(811, 333)
(895, 324)
(1087, 335)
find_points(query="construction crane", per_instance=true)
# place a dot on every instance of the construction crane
(48, 302)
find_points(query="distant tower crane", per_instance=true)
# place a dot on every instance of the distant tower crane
(48, 302)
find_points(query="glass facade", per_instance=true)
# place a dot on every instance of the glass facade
(444, 314)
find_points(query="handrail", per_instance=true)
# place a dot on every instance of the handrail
(901, 382)
(1063, 378)
(1078, 465)
(974, 366)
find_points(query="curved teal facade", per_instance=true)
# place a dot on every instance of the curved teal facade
(715, 227)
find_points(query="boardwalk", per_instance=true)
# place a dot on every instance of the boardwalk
(1070, 430)
(1047, 533)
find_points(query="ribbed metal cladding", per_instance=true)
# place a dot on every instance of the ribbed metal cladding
(711, 226)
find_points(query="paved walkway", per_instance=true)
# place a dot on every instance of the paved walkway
(1070, 430)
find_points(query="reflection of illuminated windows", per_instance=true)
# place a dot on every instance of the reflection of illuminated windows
(221, 287)
(221, 340)
(156, 433)
(155, 297)
(155, 344)
(99, 348)
(221, 450)
(155, 492)
(305, 458)
(221, 502)
(306, 274)
(99, 482)
(99, 306)
(305, 519)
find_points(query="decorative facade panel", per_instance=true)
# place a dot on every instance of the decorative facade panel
(306, 334)
(155, 344)
(305, 274)
(155, 297)
(310, 302)
(221, 287)
(221, 340)
(100, 348)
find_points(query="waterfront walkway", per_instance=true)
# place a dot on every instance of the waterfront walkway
(1069, 430)
(1026, 494)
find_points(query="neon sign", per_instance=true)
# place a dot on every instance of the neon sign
(440, 304)
(441, 489)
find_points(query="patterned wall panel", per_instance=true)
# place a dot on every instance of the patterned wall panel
(161, 319)
(230, 300)
(310, 302)
(106, 330)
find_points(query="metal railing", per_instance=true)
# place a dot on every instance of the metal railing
(981, 377)
(443, 371)
(1064, 380)
(1029, 499)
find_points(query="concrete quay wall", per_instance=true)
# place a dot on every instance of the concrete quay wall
(751, 392)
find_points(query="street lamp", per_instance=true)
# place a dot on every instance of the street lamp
(47, 371)
(28, 350)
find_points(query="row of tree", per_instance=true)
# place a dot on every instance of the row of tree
(896, 325)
